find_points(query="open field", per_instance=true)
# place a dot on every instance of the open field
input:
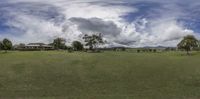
(108, 75)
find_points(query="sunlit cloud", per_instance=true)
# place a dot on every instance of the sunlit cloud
(122, 22)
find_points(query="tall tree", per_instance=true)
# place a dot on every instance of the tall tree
(77, 46)
(93, 41)
(1, 46)
(188, 43)
(59, 43)
(6, 44)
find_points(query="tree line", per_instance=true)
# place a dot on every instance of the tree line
(188, 43)
(91, 41)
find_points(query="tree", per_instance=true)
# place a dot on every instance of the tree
(188, 43)
(93, 41)
(77, 46)
(70, 49)
(138, 51)
(59, 43)
(154, 50)
(1, 46)
(6, 44)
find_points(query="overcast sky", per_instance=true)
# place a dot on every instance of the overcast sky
(133, 23)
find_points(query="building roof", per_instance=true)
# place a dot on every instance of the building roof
(36, 44)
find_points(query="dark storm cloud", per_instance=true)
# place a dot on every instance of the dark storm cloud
(126, 42)
(96, 25)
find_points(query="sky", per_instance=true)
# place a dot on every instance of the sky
(130, 23)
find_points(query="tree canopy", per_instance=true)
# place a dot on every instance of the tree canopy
(93, 41)
(77, 46)
(6, 44)
(59, 43)
(188, 43)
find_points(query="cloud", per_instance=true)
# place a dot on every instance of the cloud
(33, 21)
(144, 32)
(122, 22)
(96, 25)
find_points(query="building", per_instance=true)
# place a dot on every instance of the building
(34, 47)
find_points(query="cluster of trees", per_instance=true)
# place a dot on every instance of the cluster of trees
(170, 49)
(92, 41)
(6, 44)
(59, 43)
(119, 49)
(188, 43)
(146, 50)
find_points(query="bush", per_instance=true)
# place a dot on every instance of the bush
(70, 49)
(77, 46)
(123, 49)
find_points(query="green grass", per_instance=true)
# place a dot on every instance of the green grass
(108, 75)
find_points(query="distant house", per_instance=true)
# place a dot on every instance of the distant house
(34, 47)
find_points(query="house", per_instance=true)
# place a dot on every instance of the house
(34, 47)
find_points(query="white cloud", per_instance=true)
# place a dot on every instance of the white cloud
(43, 20)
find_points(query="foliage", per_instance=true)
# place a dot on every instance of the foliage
(93, 41)
(59, 43)
(119, 49)
(1, 46)
(146, 50)
(154, 50)
(70, 49)
(77, 46)
(6, 44)
(188, 43)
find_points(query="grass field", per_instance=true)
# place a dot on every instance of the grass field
(108, 75)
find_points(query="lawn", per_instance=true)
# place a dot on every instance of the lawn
(108, 75)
